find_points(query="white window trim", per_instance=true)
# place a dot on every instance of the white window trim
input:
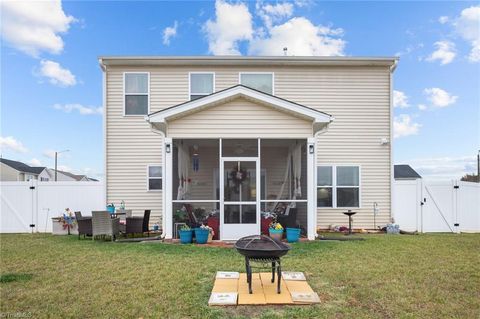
(190, 83)
(149, 178)
(272, 73)
(335, 186)
(147, 94)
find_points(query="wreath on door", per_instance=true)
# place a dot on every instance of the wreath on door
(238, 176)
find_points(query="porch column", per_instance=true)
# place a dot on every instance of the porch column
(311, 186)
(167, 200)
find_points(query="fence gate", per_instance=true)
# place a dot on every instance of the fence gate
(437, 206)
(29, 206)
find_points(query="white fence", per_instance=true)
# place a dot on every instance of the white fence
(34, 203)
(437, 206)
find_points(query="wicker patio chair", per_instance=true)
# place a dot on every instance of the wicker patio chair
(84, 224)
(138, 225)
(103, 224)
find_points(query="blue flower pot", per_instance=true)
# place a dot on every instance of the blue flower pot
(201, 235)
(186, 236)
(293, 234)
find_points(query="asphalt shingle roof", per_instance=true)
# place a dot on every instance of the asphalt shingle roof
(22, 167)
(405, 171)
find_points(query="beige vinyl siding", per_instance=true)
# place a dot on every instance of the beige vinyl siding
(130, 147)
(8, 173)
(357, 96)
(239, 118)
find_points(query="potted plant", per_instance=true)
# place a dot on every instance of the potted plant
(276, 231)
(211, 233)
(293, 234)
(186, 234)
(201, 234)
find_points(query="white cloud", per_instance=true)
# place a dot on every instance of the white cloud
(49, 153)
(169, 32)
(445, 52)
(301, 37)
(467, 26)
(274, 13)
(443, 19)
(422, 107)
(404, 126)
(35, 162)
(10, 143)
(83, 110)
(304, 3)
(34, 26)
(400, 99)
(232, 24)
(409, 49)
(444, 167)
(439, 98)
(56, 74)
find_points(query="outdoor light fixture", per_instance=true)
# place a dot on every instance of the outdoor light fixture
(311, 148)
(195, 158)
(167, 147)
(384, 141)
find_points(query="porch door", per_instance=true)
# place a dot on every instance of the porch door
(240, 198)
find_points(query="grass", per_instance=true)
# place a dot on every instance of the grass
(425, 276)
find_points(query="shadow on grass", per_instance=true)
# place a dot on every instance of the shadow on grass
(15, 277)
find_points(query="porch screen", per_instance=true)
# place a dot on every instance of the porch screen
(284, 186)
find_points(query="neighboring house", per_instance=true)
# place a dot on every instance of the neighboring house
(405, 172)
(237, 137)
(18, 171)
(65, 176)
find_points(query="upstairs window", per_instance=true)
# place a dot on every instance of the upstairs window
(338, 186)
(201, 84)
(154, 177)
(259, 81)
(136, 89)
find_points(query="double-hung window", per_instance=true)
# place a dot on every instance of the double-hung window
(201, 84)
(259, 81)
(136, 86)
(154, 177)
(338, 186)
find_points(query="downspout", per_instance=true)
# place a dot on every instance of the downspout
(159, 132)
(392, 177)
(103, 67)
(317, 134)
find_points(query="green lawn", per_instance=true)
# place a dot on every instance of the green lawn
(425, 276)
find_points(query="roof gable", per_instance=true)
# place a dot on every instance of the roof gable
(405, 172)
(160, 118)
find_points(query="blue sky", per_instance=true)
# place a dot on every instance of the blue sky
(51, 84)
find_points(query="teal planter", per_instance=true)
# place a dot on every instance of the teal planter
(201, 235)
(275, 234)
(186, 236)
(293, 234)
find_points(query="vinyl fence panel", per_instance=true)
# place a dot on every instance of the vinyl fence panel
(407, 198)
(437, 206)
(17, 207)
(468, 203)
(35, 203)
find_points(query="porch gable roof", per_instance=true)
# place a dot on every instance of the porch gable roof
(160, 118)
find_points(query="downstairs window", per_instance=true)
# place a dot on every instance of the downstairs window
(338, 186)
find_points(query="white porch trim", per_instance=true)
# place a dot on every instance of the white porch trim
(159, 119)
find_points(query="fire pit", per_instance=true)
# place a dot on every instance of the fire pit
(263, 250)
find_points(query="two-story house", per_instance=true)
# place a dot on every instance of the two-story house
(231, 140)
